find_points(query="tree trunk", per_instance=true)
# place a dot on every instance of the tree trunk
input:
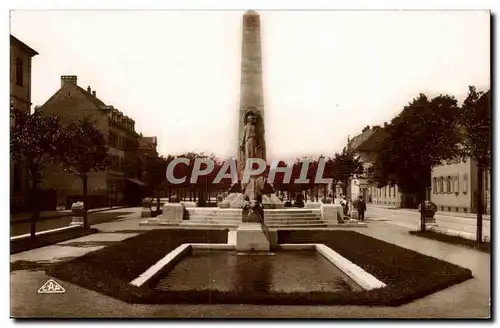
(479, 231)
(157, 194)
(86, 224)
(344, 189)
(35, 210)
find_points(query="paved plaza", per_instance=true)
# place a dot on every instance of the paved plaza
(409, 219)
(468, 299)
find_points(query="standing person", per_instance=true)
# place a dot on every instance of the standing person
(343, 203)
(361, 207)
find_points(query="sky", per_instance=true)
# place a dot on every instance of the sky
(326, 74)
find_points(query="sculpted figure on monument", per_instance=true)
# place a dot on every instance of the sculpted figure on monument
(248, 144)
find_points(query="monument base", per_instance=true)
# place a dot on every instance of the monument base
(172, 214)
(236, 201)
(236, 198)
(250, 236)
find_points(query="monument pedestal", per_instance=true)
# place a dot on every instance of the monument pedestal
(236, 198)
(250, 236)
(172, 214)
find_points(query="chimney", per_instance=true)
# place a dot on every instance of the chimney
(93, 93)
(89, 90)
(68, 79)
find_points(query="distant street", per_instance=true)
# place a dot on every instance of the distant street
(411, 220)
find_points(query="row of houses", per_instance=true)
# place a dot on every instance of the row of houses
(454, 184)
(121, 183)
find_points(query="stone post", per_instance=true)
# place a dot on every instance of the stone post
(78, 212)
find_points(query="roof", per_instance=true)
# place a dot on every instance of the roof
(373, 141)
(96, 101)
(369, 140)
(147, 141)
(24, 46)
(355, 142)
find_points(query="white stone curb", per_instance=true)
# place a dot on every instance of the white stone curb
(154, 270)
(360, 276)
(456, 233)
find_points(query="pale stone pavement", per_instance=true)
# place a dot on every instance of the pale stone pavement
(411, 220)
(465, 300)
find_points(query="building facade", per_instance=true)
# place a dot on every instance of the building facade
(21, 56)
(117, 185)
(365, 146)
(455, 186)
(147, 148)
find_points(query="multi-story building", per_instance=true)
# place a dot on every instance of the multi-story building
(20, 98)
(118, 184)
(455, 186)
(147, 148)
(364, 146)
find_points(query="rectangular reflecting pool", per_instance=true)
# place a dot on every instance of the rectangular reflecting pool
(282, 271)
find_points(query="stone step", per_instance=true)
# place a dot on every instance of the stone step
(213, 221)
(306, 217)
(269, 226)
(266, 219)
(238, 211)
(296, 225)
(208, 225)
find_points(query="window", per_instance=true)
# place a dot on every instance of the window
(19, 72)
(434, 185)
(448, 185)
(465, 185)
(441, 185)
(455, 183)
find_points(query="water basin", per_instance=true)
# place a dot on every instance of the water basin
(281, 271)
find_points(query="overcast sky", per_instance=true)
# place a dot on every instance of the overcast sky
(327, 74)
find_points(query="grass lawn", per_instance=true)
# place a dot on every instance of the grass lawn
(455, 240)
(408, 275)
(48, 239)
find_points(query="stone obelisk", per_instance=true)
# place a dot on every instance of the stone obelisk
(251, 132)
(251, 89)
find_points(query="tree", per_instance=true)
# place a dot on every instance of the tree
(85, 150)
(475, 118)
(345, 166)
(422, 136)
(34, 142)
(154, 177)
